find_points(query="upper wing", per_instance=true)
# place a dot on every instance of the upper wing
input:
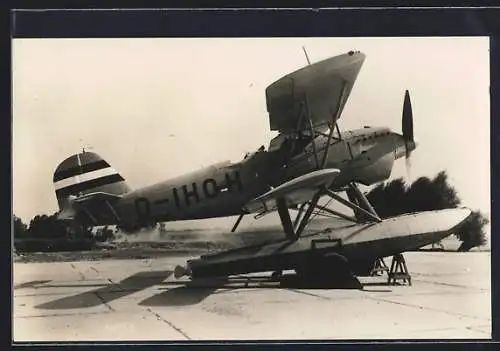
(323, 86)
(295, 191)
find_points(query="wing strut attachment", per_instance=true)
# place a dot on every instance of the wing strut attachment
(240, 217)
(313, 135)
(363, 201)
(308, 213)
(299, 215)
(352, 205)
(336, 213)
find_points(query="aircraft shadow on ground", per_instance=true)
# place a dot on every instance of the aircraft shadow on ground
(176, 293)
(107, 292)
(194, 292)
(31, 284)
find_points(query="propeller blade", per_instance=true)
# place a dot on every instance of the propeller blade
(407, 122)
(407, 118)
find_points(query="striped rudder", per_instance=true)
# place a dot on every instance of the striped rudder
(86, 173)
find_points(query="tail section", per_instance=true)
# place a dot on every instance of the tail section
(83, 174)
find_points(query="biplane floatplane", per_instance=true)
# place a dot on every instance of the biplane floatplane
(309, 159)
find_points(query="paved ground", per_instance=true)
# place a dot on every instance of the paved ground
(141, 300)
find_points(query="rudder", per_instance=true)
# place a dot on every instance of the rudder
(86, 173)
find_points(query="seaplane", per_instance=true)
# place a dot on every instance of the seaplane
(310, 159)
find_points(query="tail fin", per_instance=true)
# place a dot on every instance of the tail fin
(86, 173)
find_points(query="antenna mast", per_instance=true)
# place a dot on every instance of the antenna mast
(305, 53)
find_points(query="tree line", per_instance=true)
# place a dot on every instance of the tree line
(424, 194)
(47, 233)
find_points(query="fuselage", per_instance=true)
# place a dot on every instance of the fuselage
(365, 155)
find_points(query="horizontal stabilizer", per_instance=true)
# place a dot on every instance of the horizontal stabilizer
(97, 196)
(93, 204)
(295, 191)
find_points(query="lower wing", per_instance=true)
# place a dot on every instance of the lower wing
(295, 191)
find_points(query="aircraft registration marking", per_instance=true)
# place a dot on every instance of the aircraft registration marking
(189, 194)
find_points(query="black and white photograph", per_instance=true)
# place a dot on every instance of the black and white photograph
(301, 188)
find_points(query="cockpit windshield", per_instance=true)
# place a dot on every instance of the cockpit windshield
(251, 154)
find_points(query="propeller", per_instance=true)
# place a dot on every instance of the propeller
(407, 128)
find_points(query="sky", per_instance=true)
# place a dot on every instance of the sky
(155, 108)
